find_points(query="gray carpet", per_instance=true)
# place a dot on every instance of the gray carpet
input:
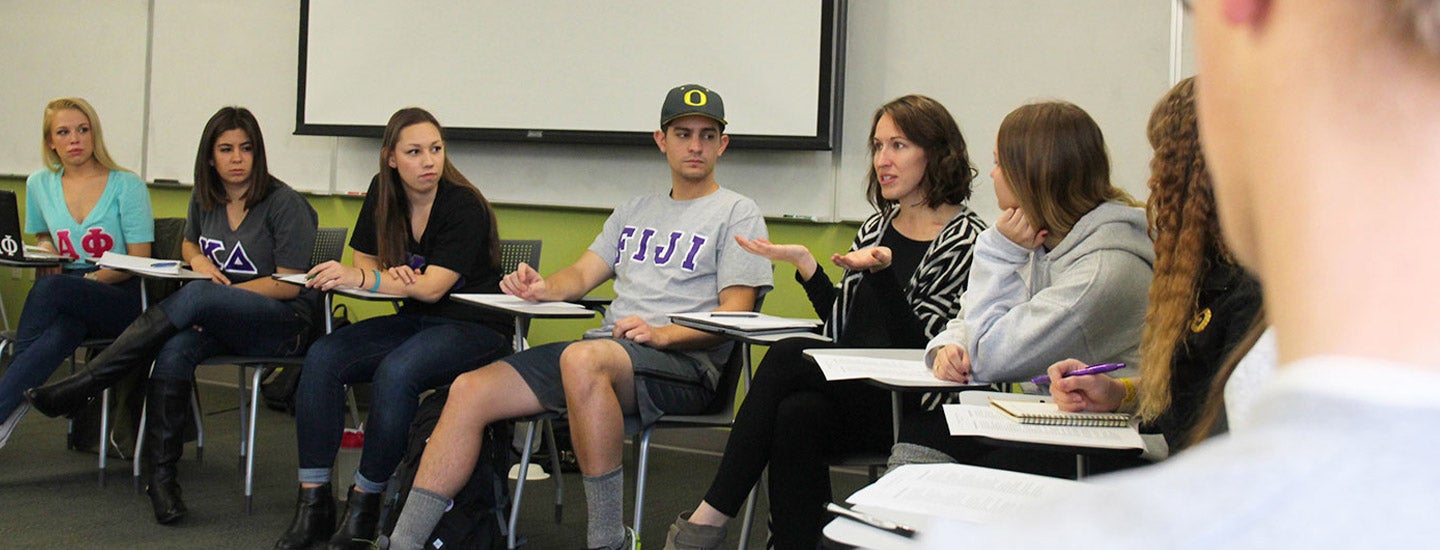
(52, 498)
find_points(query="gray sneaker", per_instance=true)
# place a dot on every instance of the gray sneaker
(684, 535)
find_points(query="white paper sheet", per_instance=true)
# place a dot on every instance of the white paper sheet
(896, 371)
(520, 305)
(138, 264)
(960, 492)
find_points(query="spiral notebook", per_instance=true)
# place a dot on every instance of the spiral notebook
(1026, 412)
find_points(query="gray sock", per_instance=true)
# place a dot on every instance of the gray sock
(910, 453)
(422, 511)
(605, 497)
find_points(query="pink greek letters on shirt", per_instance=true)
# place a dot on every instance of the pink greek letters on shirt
(64, 246)
(96, 242)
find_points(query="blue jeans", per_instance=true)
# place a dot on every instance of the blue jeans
(60, 312)
(216, 319)
(403, 356)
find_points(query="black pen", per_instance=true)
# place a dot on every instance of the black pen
(867, 519)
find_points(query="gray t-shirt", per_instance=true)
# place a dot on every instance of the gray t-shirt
(278, 232)
(674, 256)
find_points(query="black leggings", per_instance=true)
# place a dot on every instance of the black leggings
(793, 421)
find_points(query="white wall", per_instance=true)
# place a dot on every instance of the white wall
(981, 58)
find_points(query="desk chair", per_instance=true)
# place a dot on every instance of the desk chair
(721, 415)
(329, 245)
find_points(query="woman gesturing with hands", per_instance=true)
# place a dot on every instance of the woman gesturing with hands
(901, 282)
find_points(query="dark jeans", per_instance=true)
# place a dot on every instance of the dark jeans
(793, 420)
(402, 355)
(60, 312)
(216, 319)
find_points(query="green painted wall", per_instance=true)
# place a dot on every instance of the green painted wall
(566, 233)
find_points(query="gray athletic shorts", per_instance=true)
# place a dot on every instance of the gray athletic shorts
(666, 382)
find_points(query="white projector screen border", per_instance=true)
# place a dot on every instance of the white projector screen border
(778, 63)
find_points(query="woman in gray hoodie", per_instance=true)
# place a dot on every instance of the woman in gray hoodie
(1064, 272)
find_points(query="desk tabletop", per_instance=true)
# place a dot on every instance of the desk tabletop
(299, 279)
(519, 307)
(34, 262)
(761, 338)
(892, 369)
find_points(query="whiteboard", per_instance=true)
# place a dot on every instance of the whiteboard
(582, 71)
(71, 48)
(984, 58)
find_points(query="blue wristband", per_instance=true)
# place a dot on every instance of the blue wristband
(376, 288)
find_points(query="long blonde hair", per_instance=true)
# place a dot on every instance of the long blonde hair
(52, 159)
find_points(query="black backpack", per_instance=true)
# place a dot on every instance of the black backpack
(474, 521)
(279, 383)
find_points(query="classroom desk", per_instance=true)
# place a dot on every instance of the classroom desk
(746, 339)
(896, 387)
(523, 312)
(184, 274)
(1082, 454)
(918, 495)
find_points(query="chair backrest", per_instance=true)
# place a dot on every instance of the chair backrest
(169, 236)
(512, 252)
(329, 245)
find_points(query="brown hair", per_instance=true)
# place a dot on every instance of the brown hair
(927, 123)
(209, 188)
(392, 212)
(1418, 22)
(51, 158)
(1053, 155)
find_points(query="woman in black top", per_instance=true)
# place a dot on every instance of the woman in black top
(903, 278)
(424, 232)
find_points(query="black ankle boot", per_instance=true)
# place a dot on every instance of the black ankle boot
(134, 348)
(314, 519)
(168, 406)
(362, 514)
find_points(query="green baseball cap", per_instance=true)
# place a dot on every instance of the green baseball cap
(692, 99)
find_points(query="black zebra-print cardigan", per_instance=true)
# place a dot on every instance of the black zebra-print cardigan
(934, 289)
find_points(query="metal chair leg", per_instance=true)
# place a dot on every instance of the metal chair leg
(510, 537)
(104, 432)
(642, 465)
(250, 438)
(199, 426)
(555, 470)
(748, 519)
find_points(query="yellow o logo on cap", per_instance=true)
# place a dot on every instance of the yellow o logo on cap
(696, 102)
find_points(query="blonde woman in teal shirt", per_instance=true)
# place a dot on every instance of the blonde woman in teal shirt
(81, 205)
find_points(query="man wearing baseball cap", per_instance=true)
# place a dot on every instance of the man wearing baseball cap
(669, 252)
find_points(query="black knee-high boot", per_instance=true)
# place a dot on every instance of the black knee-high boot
(167, 403)
(134, 348)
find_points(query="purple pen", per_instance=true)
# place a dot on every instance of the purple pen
(1092, 369)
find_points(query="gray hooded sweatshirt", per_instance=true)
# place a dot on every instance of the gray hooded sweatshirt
(1025, 310)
